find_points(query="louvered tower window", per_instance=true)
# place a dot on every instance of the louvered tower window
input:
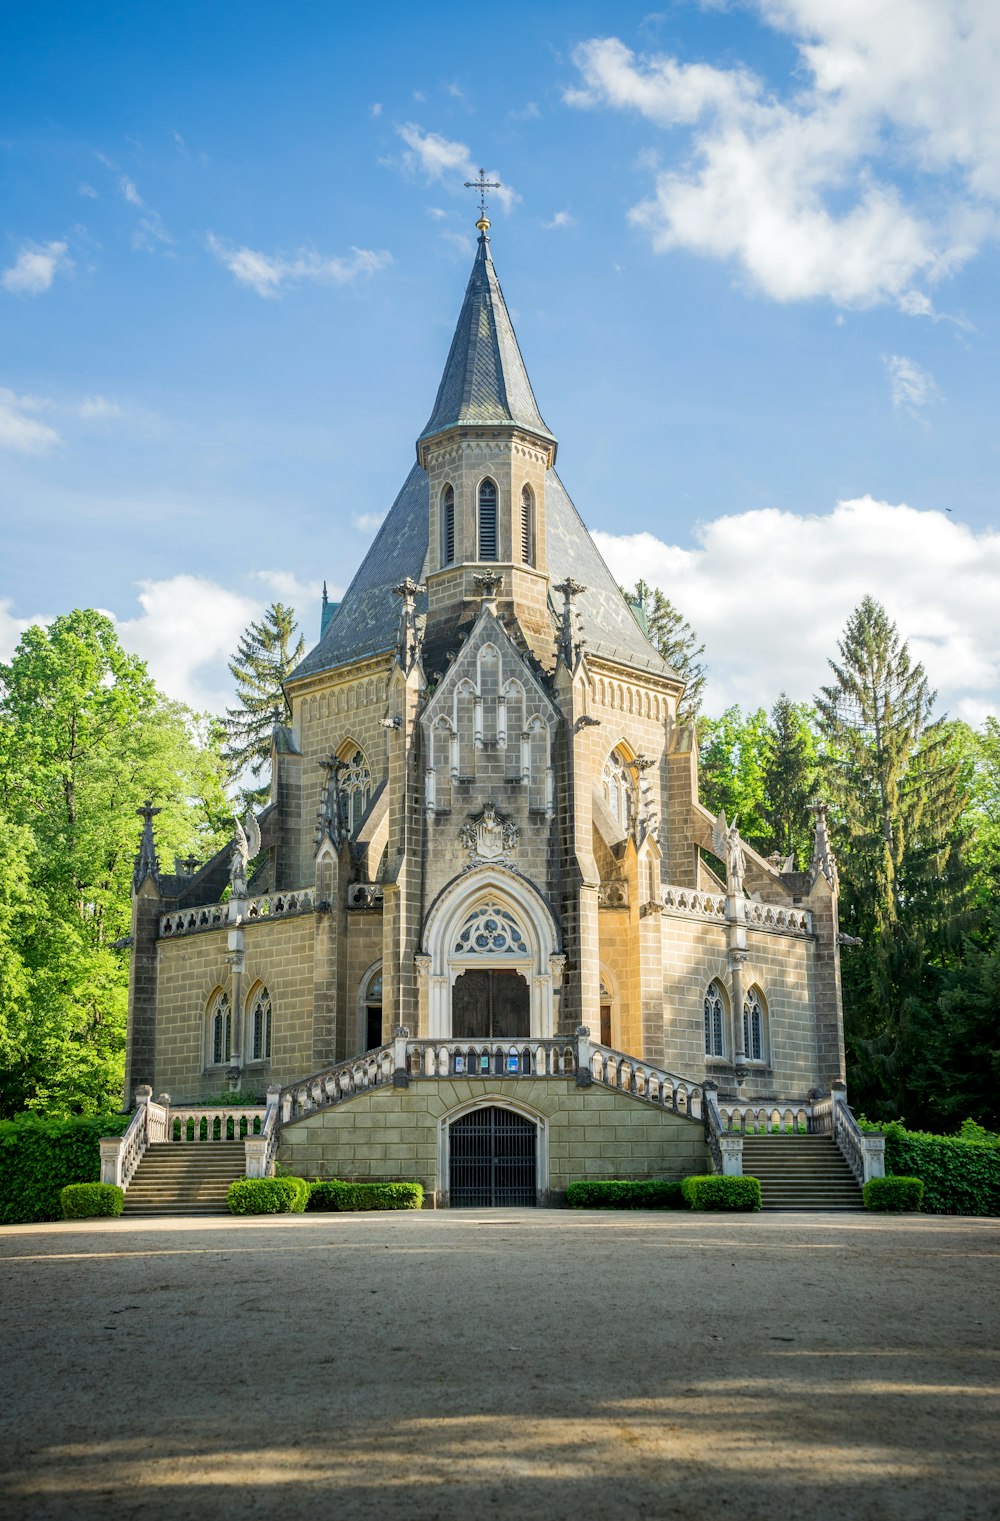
(527, 527)
(448, 526)
(488, 521)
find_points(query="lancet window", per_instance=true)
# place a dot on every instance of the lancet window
(617, 784)
(448, 526)
(260, 1026)
(355, 785)
(487, 520)
(715, 1021)
(220, 1030)
(527, 526)
(753, 1026)
(372, 1009)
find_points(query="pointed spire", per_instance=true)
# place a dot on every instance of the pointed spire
(823, 862)
(485, 382)
(409, 639)
(146, 863)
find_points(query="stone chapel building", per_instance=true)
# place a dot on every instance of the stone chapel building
(482, 896)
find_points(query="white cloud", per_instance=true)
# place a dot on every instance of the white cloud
(88, 190)
(910, 387)
(440, 159)
(561, 219)
(12, 628)
(267, 273)
(150, 233)
(286, 587)
(129, 191)
(368, 522)
(20, 432)
(375, 109)
(769, 593)
(186, 632)
(35, 269)
(96, 408)
(878, 174)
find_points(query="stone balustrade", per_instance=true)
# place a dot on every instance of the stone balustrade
(758, 1117)
(863, 1150)
(614, 1069)
(779, 919)
(187, 921)
(193, 1123)
(121, 1155)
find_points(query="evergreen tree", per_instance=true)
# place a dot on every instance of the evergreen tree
(268, 651)
(789, 779)
(676, 641)
(897, 805)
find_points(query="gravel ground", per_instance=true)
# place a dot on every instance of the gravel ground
(551, 1364)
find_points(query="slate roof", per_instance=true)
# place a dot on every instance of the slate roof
(484, 380)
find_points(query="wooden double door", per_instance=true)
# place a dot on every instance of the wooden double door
(490, 1005)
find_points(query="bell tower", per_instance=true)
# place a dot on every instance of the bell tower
(487, 451)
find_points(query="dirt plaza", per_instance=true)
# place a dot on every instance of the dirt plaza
(524, 1363)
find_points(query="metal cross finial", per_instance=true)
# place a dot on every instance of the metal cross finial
(482, 184)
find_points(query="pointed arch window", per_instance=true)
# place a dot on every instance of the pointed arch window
(715, 1021)
(355, 782)
(448, 526)
(220, 1030)
(371, 1003)
(487, 520)
(754, 1027)
(527, 526)
(260, 1025)
(617, 785)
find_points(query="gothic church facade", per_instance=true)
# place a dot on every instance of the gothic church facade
(484, 863)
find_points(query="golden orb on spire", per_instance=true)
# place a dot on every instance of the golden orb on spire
(484, 225)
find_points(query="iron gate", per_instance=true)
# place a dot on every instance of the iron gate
(492, 1160)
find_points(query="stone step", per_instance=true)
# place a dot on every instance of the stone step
(191, 1178)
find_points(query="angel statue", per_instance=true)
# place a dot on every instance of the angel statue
(728, 847)
(246, 845)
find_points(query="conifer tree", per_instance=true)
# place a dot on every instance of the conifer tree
(268, 651)
(790, 765)
(671, 634)
(897, 805)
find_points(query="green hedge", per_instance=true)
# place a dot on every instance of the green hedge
(711, 1192)
(85, 1201)
(332, 1194)
(39, 1157)
(960, 1177)
(896, 1196)
(625, 1193)
(268, 1196)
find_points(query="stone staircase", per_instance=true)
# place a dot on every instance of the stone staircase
(185, 1179)
(800, 1172)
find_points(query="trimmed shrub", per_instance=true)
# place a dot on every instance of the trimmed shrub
(960, 1177)
(86, 1201)
(895, 1196)
(711, 1192)
(268, 1196)
(625, 1193)
(332, 1194)
(39, 1156)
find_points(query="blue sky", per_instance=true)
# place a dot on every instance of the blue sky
(749, 250)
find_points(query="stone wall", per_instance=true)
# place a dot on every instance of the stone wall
(589, 1133)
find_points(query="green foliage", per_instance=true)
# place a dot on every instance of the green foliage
(625, 1193)
(84, 738)
(268, 1196)
(710, 1192)
(40, 1155)
(895, 785)
(332, 1194)
(896, 1196)
(960, 1177)
(791, 764)
(86, 1201)
(671, 634)
(268, 651)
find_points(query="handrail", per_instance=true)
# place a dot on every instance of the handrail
(261, 1149)
(863, 1150)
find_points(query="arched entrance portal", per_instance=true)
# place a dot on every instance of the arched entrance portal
(493, 1160)
(490, 1004)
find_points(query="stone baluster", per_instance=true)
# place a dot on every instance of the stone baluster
(400, 1076)
(584, 1073)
